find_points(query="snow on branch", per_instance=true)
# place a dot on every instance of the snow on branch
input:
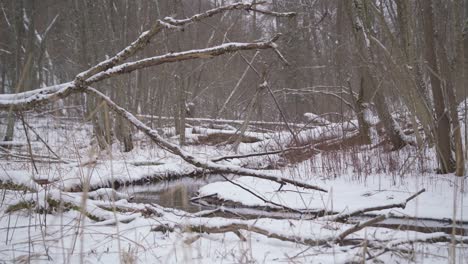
(197, 162)
(28, 100)
(180, 56)
(235, 6)
(168, 23)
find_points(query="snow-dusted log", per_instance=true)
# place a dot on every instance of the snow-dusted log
(197, 162)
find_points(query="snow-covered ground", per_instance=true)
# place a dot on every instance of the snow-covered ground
(108, 227)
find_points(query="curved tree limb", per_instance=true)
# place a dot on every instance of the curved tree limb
(29, 100)
(180, 56)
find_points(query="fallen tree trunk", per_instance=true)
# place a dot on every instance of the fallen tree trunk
(197, 162)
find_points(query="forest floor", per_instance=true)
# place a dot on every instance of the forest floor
(75, 203)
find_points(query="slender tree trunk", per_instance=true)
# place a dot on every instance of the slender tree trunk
(181, 105)
(404, 25)
(19, 30)
(362, 32)
(4, 75)
(362, 106)
(86, 59)
(125, 98)
(442, 122)
(458, 77)
(465, 73)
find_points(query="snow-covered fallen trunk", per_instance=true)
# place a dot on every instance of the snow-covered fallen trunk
(197, 162)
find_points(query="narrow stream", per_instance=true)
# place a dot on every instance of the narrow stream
(177, 194)
(172, 194)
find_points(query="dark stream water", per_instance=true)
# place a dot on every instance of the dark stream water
(172, 194)
(177, 194)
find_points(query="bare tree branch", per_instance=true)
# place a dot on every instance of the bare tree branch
(180, 56)
(236, 6)
(28, 100)
(167, 23)
(260, 197)
(360, 226)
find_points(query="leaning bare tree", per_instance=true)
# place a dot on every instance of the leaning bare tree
(115, 66)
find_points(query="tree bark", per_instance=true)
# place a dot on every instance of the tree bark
(362, 31)
(442, 122)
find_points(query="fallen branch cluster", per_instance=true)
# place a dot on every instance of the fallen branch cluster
(104, 209)
(344, 234)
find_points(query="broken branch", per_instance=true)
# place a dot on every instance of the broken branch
(344, 217)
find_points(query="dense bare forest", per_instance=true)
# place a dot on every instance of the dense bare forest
(209, 131)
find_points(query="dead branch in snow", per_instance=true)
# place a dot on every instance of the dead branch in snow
(197, 162)
(260, 197)
(359, 226)
(248, 155)
(345, 216)
(221, 210)
(237, 226)
(37, 158)
(393, 246)
(42, 140)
